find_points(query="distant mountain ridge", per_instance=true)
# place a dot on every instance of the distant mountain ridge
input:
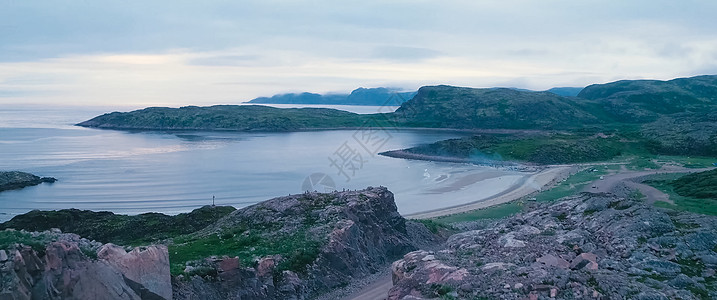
(374, 96)
(362, 96)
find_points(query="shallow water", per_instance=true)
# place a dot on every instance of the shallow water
(136, 172)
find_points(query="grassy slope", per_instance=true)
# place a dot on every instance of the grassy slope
(228, 117)
(642, 118)
(540, 149)
(457, 107)
(694, 192)
(107, 227)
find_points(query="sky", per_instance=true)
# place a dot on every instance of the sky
(175, 53)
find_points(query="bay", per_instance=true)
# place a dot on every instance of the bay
(173, 172)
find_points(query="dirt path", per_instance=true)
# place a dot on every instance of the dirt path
(377, 290)
(652, 194)
(609, 182)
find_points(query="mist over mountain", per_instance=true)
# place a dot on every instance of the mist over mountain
(360, 96)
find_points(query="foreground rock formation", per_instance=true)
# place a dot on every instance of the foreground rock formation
(16, 180)
(355, 233)
(294, 247)
(70, 267)
(591, 246)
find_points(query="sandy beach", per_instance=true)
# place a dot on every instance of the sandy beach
(523, 186)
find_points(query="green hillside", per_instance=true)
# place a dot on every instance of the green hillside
(227, 117)
(701, 185)
(465, 108)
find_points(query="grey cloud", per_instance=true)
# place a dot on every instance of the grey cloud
(226, 60)
(404, 53)
(671, 50)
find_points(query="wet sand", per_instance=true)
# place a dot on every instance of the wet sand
(527, 184)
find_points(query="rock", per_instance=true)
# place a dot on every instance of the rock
(681, 281)
(356, 233)
(3, 256)
(18, 180)
(496, 265)
(147, 266)
(510, 241)
(651, 295)
(266, 265)
(583, 260)
(709, 260)
(63, 270)
(553, 261)
(641, 254)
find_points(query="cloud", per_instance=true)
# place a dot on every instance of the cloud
(404, 53)
(225, 60)
(188, 52)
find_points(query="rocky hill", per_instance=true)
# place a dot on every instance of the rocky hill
(294, 247)
(590, 246)
(16, 180)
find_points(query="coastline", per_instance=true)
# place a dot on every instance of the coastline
(505, 165)
(527, 185)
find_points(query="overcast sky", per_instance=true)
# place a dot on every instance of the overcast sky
(177, 53)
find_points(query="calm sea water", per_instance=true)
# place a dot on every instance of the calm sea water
(136, 172)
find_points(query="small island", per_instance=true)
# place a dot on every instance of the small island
(15, 180)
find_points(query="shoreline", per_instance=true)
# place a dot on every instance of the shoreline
(505, 165)
(528, 184)
(437, 129)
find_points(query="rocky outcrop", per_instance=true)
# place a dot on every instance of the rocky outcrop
(591, 246)
(16, 180)
(357, 233)
(66, 268)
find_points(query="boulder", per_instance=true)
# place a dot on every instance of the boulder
(146, 266)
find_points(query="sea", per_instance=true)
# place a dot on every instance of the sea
(133, 172)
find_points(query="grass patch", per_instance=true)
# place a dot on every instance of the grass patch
(493, 212)
(688, 161)
(692, 204)
(553, 148)
(642, 163)
(298, 249)
(636, 195)
(701, 185)
(573, 184)
(38, 241)
(107, 227)
(434, 226)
